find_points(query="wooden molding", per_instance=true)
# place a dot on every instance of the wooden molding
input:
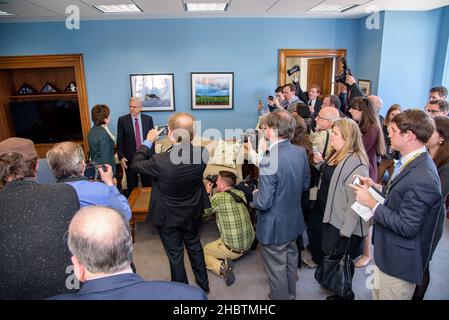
(307, 53)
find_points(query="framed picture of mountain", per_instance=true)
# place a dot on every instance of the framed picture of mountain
(212, 91)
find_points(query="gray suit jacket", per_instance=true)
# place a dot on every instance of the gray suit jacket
(284, 175)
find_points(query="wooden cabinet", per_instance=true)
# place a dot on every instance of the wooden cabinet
(36, 71)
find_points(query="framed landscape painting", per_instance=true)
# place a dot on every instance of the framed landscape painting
(212, 91)
(155, 90)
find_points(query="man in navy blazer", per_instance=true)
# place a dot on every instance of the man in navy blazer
(100, 241)
(404, 225)
(127, 144)
(284, 175)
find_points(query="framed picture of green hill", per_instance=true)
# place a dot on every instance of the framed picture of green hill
(212, 91)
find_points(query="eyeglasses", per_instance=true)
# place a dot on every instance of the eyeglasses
(320, 117)
(431, 111)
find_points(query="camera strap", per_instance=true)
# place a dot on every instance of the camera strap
(236, 198)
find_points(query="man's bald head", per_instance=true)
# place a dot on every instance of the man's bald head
(326, 117)
(100, 238)
(376, 102)
(182, 126)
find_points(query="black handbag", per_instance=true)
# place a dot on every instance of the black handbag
(336, 274)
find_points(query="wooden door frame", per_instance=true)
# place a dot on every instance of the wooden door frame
(308, 53)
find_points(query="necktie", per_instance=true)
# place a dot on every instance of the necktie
(138, 139)
(397, 167)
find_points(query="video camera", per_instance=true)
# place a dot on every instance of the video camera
(346, 72)
(293, 69)
(91, 171)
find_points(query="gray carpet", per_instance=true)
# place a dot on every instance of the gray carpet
(251, 281)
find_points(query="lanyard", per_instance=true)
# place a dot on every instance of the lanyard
(405, 164)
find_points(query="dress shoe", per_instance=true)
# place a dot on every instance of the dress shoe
(226, 271)
(337, 297)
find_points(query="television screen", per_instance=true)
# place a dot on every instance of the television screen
(47, 121)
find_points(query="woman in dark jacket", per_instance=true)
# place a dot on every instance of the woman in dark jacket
(373, 140)
(438, 146)
(101, 140)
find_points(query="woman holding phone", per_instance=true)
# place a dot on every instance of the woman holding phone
(335, 196)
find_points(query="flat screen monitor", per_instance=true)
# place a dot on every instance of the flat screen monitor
(47, 121)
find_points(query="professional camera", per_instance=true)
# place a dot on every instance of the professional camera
(212, 178)
(164, 131)
(91, 171)
(293, 69)
(346, 72)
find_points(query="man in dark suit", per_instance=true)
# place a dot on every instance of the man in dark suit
(284, 175)
(178, 196)
(405, 223)
(33, 222)
(313, 99)
(131, 131)
(100, 241)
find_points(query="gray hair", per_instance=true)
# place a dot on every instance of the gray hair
(135, 99)
(66, 159)
(283, 122)
(100, 238)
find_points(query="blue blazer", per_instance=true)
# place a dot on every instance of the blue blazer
(284, 175)
(130, 286)
(405, 224)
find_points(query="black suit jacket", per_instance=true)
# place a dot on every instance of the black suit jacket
(126, 137)
(405, 224)
(178, 195)
(130, 286)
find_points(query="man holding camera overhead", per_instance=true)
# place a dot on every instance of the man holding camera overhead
(234, 224)
(131, 131)
(178, 196)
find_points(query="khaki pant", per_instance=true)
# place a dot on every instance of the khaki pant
(214, 253)
(390, 288)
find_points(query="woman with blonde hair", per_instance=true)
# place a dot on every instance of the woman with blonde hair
(340, 222)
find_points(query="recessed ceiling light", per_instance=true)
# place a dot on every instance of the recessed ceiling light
(332, 7)
(4, 13)
(118, 8)
(190, 7)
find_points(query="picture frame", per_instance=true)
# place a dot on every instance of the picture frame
(365, 86)
(212, 90)
(156, 90)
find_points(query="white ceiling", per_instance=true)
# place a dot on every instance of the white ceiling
(54, 10)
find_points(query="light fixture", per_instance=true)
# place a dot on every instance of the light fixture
(4, 13)
(201, 7)
(118, 8)
(322, 7)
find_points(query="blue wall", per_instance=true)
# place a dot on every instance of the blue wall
(409, 50)
(369, 49)
(115, 49)
(442, 59)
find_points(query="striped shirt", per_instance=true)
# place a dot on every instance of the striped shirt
(233, 220)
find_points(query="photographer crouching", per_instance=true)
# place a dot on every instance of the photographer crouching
(234, 224)
(66, 160)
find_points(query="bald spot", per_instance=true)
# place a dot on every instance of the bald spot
(330, 113)
(98, 224)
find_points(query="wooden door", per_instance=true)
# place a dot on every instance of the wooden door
(319, 71)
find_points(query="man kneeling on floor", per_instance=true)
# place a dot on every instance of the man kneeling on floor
(234, 224)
